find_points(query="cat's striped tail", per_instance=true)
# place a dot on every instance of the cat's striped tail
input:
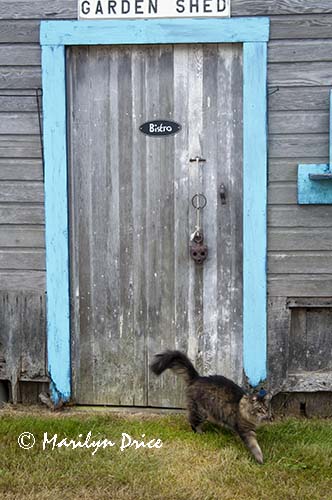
(176, 361)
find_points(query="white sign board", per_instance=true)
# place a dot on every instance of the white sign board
(144, 9)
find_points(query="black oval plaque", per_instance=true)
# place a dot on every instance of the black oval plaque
(157, 128)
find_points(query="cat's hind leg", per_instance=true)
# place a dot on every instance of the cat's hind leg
(196, 417)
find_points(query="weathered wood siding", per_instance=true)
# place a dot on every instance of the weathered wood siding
(22, 247)
(22, 338)
(22, 255)
(300, 66)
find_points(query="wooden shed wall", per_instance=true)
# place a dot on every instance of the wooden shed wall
(299, 79)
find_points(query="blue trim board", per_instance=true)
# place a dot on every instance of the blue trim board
(254, 211)
(56, 214)
(314, 182)
(55, 35)
(155, 31)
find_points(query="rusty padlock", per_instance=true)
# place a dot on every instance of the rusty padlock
(198, 251)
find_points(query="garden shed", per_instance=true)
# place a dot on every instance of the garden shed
(165, 182)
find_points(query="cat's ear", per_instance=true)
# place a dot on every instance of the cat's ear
(267, 398)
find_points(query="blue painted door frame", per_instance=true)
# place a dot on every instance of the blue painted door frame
(55, 36)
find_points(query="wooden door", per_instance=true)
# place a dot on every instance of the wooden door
(135, 290)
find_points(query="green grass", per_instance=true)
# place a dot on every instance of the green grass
(215, 465)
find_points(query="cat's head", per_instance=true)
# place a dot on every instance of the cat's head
(255, 408)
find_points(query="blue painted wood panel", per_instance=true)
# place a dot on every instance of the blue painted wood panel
(56, 214)
(254, 211)
(314, 192)
(311, 191)
(152, 31)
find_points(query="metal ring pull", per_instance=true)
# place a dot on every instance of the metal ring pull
(199, 201)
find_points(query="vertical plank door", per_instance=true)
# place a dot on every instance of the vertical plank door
(135, 290)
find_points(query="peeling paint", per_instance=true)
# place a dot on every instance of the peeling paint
(57, 398)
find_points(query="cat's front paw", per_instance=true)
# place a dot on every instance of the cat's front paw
(197, 430)
(259, 456)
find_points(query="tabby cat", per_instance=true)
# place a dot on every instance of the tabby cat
(217, 399)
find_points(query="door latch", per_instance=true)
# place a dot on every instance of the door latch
(198, 250)
(222, 194)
